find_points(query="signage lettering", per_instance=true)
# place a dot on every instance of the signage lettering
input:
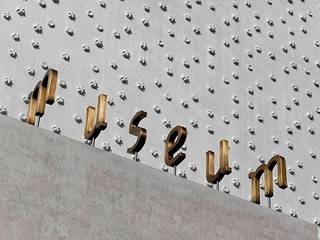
(266, 169)
(140, 132)
(96, 118)
(175, 140)
(43, 93)
(224, 168)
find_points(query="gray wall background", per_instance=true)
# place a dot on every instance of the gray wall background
(283, 74)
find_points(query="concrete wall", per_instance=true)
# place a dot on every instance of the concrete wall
(52, 187)
(259, 100)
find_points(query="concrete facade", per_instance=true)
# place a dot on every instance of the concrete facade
(52, 187)
(242, 70)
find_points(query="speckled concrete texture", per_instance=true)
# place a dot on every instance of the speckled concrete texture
(242, 70)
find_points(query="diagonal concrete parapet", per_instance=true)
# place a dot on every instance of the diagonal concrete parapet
(55, 188)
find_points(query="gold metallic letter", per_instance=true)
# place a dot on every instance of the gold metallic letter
(266, 169)
(174, 142)
(140, 132)
(224, 169)
(96, 118)
(44, 92)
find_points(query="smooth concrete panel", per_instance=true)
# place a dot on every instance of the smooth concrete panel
(52, 187)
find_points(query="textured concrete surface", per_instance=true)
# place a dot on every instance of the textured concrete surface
(52, 187)
(250, 74)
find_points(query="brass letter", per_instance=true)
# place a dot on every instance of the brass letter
(140, 132)
(173, 143)
(96, 118)
(44, 92)
(266, 169)
(224, 169)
